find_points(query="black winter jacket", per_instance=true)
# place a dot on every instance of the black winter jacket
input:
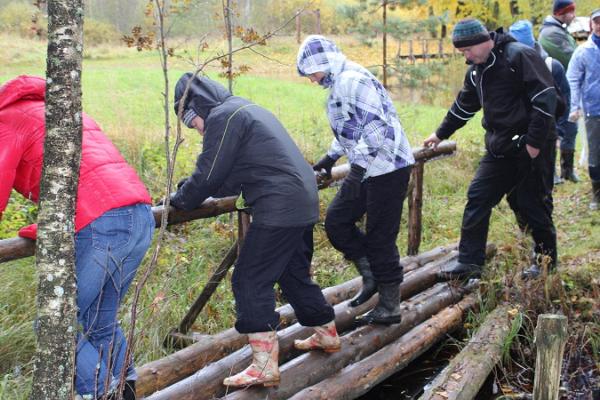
(516, 91)
(247, 150)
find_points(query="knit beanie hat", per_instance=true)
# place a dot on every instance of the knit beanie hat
(562, 7)
(469, 32)
(522, 31)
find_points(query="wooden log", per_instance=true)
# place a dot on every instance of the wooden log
(463, 377)
(550, 339)
(312, 367)
(415, 209)
(167, 371)
(15, 248)
(358, 378)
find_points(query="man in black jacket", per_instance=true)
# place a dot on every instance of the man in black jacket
(512, 84)
(246, 150)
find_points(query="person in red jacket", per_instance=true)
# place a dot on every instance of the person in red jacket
(113, 224)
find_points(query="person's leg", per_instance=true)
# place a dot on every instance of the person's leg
(567, 152)
(385, 198)
(592, 127)
(340, 225)
(491, 182)
(298, 288)
(108, 253)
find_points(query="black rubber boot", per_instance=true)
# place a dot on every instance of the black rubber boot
(455, 270)
(129, 390)
(566, 166)
(369, 286)
(595, 203)
(535, 270)
(387, 310)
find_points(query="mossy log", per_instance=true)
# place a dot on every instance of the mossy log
(467, 372)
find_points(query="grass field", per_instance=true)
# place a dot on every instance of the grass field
(122, 91)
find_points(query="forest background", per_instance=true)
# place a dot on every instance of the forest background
(122, 90)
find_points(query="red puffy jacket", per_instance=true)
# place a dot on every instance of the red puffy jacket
(106, 181)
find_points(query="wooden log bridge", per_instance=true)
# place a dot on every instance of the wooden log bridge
(16, 248)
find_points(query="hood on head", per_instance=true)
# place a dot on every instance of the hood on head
(523, 31)
(24, 87)
(319, 54)
(207, 94)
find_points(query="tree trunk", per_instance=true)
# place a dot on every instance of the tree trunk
(550, 339)
(358, 378)
(161, 373)
(57, 292)
(310, 368)
(467, 372)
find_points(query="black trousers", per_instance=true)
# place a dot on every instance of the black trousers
(527, 185)
(272, 255)
(381, 198)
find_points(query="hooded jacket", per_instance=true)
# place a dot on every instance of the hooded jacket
(516, 91)
(106, 181)
(247, 150)
(362, 116)
(556, 40)
(584, 78)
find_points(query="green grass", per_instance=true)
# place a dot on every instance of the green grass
(122, 91)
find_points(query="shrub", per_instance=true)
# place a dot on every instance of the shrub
(17, 18)
(99, 32)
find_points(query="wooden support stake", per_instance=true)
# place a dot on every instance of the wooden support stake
(298, 27)
(550, 340)
(415, 209)
(318, 21)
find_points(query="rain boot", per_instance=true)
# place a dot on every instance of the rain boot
(325, 338)
(264, 369)
(595, 203)
(566, 165)
(387, 310)
(455, 270)
(369, 286)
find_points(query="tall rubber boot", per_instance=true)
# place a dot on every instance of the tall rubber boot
(264, 369)
(455, 270)
(387, 310)
(595, 203)
(369, 286)
(566, 165)
(325, 338)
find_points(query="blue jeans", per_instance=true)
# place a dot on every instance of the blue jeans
(107, 254)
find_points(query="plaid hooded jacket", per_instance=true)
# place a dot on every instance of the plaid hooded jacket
(360, 111)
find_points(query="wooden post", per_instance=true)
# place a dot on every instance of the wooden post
(425, 50)
(243, 225)
(298, 27)
(411, 51)
(441, 48)
(415, 209)
(385, 85)
(550, 340)
(318, 21)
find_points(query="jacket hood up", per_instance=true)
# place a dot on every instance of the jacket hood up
(319, 54)
(23, 87)
(208, 94)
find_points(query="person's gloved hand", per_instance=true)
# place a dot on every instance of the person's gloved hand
(351, 187)
(181, 182)
(161, 202)
(325, 163)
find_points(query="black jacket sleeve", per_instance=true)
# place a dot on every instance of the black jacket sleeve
(213, 166)
(539, 88)
(464, 108)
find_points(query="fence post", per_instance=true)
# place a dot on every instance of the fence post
(411, 51)
(318, 20)
(550, 339)
(441, 48)
(425, 50)
(415, 209)
(298, 26)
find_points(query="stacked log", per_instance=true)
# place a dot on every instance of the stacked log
(463, 378)
(358, 378)
(166, 371)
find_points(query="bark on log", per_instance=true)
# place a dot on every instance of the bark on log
(166, 371)
(310, 368)
(171, 369)
(550, 339)
(415, 209)
(463, 377)
(358, 378)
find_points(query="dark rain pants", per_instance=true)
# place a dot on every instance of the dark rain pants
(272, 255)
(381, 198)
(527, 184)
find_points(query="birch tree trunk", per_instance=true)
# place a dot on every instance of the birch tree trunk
(55, 262)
